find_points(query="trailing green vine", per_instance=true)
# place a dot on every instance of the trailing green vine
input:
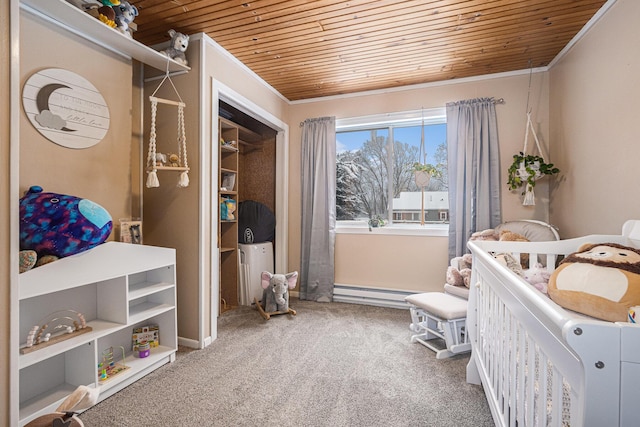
(535, 168)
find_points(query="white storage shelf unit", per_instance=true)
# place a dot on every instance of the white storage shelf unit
(117, 287)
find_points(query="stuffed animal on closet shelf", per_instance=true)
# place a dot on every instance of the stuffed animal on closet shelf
(59, 225)
(125, 14)
(177, 47)
(275, 297)
(599, 280)
(106, 13)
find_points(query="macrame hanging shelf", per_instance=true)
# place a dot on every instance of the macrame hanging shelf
(153, 157)
(529, 196)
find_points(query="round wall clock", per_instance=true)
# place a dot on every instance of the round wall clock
(65, 108)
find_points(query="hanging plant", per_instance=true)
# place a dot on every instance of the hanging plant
(422, 173)
(525, 170)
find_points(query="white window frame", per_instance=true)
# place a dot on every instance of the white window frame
(428, 116)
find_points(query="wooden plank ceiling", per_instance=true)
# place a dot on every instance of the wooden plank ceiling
(308, 49)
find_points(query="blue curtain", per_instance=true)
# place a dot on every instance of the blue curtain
(318, 168)
(474, 170)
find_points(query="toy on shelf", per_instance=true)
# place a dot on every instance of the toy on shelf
(275, 297)
(227, 209)
(59, 225)
(125, 14)
(177, 47)
(82, 398)
(109, 368)
(106, 13)
(56, 327)
(144, 338)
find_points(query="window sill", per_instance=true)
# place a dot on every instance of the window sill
(359, 227)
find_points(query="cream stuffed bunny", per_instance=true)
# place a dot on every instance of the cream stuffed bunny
(81, 399)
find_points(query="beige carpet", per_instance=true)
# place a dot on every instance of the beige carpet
(331, 365)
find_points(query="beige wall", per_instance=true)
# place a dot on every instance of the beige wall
(409, 262)
(101, 173)
(595, 112)
(172, 216)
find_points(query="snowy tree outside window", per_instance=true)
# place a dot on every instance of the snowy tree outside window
(374, 168)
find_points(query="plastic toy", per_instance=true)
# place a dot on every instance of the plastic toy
(109, 368)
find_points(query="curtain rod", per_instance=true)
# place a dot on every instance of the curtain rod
(495, 101)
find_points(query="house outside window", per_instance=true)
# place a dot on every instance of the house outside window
(375, 156)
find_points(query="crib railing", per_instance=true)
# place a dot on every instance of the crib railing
(539, 364)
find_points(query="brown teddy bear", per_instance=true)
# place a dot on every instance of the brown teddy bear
(509, 236)
(599, 280)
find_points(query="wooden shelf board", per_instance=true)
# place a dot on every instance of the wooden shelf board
(168, 168)
(99, 329)
(229, 148)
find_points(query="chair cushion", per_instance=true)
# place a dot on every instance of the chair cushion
(439, 304)
(458, 291)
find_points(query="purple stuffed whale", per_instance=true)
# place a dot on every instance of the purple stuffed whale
(61, 225)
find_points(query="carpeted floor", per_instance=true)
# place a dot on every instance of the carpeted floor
(331, 365)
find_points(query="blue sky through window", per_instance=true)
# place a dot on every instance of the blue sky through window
(434, 135)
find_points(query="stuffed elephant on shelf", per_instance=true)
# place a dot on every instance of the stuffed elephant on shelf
(275, 297)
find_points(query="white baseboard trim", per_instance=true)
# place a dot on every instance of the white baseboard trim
(382, 297)
(188, 342)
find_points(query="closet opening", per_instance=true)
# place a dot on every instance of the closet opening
(247, 165)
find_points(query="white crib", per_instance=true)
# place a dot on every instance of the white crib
(542, 365)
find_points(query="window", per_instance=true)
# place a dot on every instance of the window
(375, 156)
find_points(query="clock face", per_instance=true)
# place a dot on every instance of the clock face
(65, 108)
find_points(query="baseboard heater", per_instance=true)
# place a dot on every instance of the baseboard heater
(381, 297)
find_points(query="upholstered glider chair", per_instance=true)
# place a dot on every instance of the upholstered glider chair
(438, 319)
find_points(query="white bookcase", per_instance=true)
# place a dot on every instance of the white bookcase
(117, 287)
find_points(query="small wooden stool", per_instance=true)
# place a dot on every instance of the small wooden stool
(439, 315)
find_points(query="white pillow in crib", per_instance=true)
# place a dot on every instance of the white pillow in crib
(534, 231)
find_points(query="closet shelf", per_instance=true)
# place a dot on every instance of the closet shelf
(168, 168)
(69, 17)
